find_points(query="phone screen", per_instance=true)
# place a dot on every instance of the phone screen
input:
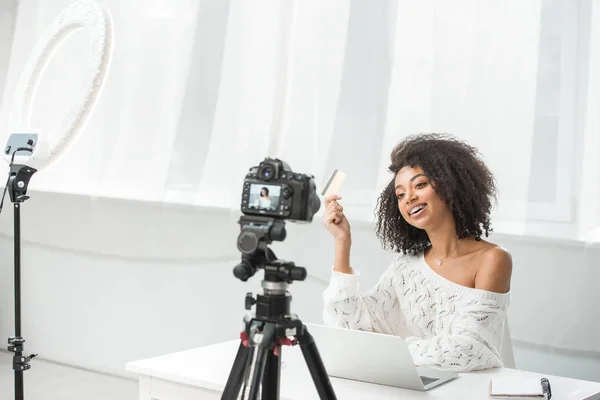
(17, 140)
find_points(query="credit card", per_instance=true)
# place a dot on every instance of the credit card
(334, 183)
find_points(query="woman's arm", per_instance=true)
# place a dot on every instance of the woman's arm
(377, 310)
(341, 262)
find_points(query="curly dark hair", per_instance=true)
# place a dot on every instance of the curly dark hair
(459, 177)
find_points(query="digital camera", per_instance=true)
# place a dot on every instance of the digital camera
(272, 189)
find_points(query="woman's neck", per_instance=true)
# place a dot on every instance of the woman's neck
(444, 239)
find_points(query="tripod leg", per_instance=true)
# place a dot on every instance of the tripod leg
(261, 345)
(315, 366)
(270, 383)
(234, 382)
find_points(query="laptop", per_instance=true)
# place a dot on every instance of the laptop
(373, 358)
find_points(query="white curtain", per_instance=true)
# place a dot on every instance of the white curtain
(8, 14)
(469, 68)
(589, 199)
(200, 91)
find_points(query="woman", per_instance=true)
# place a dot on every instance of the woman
(447, 293)
(263, 202)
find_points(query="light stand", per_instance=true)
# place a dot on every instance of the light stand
(97, 21)
(17, 184)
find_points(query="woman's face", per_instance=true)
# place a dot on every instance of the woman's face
(418, 202)
(263, 193)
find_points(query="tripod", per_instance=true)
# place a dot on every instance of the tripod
(258, 359)
(16, 185)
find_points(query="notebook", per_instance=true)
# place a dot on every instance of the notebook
(519, 388)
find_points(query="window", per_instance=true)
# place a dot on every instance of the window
(201, 91)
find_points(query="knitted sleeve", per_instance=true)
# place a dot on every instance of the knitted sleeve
(377, 310)
(470, 342)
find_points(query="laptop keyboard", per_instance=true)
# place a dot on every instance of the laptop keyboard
(427, 380)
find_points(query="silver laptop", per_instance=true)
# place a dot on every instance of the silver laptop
(373, 358)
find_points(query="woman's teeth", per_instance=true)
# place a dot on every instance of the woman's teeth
(417, 209)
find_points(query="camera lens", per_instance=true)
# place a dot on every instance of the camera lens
(315, 204)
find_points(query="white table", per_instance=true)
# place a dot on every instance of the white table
(202, 374)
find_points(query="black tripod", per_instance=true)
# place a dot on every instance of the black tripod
(258, 359)
(17, 183)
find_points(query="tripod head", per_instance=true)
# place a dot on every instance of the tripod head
(253, 242)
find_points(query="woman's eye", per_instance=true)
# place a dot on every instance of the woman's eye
(399, 196)
(420, 185)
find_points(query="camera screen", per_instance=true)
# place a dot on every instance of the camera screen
(264, 197)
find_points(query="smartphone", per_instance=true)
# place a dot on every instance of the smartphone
(17, 141)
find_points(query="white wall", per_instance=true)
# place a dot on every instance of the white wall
(108, 281)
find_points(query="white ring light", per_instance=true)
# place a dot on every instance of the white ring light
(97, 21)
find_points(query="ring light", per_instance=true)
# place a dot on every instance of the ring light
(96, 20)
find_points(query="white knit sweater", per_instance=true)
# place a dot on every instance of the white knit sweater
(446, 325)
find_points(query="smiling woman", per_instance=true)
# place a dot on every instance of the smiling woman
(450, 176)
(448, 291)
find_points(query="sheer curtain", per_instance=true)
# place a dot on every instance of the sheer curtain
(126, 148)
(8, 15)
(589, 200)
(267, 85)
(470, 68)
(200, 91)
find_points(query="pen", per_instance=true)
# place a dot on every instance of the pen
(546, 389)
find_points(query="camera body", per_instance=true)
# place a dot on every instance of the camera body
(272, 189)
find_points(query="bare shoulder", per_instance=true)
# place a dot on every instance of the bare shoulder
(495, 271)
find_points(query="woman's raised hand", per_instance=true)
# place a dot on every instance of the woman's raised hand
(334, 219)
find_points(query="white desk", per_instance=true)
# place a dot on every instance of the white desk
(202, 374)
